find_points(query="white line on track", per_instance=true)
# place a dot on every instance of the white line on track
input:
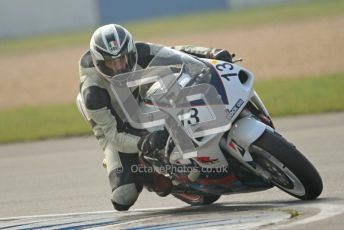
(275, 218)
(84, 213)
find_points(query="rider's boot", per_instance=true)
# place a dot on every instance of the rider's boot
(161, 185)
(158, 183)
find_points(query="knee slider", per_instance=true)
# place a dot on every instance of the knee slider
(125, 195)
(120, 207)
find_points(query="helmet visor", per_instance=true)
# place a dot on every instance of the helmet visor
(113, 66)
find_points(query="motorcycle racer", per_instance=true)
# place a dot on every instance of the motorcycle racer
(112, 52)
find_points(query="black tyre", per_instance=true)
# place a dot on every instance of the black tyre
(286, 167)
(197, 199)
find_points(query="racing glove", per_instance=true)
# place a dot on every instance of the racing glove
(220, 54)
(152, 141)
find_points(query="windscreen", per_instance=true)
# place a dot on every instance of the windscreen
(172, 84)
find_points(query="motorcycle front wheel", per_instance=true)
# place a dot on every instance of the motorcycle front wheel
(285, 166)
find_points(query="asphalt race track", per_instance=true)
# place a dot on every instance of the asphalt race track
(61, 184)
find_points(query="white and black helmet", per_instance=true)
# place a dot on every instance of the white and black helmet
(111, 42)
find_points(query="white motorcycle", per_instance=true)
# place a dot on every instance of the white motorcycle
(234, 146)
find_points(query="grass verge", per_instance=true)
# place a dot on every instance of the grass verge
(210, 21)
(41, 122)
(281, 96)
(302, 95)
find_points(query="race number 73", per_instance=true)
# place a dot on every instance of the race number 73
(225, 70)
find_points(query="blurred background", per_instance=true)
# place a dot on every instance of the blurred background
(295, 48)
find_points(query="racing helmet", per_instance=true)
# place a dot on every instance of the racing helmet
(113, 50)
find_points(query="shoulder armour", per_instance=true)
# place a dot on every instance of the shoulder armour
(86, 60)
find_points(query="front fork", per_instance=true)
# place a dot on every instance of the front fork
(258, 109)
(249, 126)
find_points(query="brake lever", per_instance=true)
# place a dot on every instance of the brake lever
(238, 60)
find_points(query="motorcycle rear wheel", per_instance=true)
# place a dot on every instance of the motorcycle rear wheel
(286, 167)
